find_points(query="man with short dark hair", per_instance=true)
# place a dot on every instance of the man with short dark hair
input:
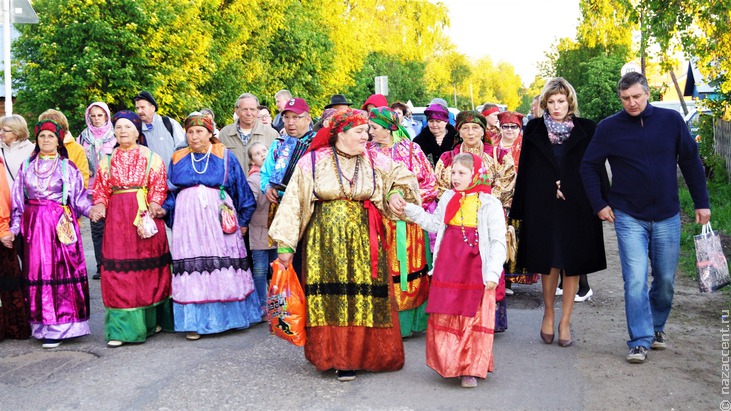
(248, 130)
(163, 135)
(644, 145)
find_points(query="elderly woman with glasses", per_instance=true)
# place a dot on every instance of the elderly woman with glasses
(15, 147)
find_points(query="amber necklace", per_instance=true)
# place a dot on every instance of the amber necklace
(338, 170)
(461, 225)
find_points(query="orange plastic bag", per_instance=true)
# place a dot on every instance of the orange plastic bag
(286, 305)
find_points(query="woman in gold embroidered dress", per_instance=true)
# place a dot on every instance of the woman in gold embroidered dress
(333, 202)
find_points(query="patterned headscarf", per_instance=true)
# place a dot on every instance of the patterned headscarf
(51, 126)
(388, 119)
(198, 119)
(56, 129)
(342, 121)
(471, 116)
(129, 115)
(481, 183)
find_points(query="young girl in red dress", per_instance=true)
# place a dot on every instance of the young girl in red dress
(468, 262)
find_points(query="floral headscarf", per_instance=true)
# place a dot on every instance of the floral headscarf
(388, 119)
(198, 119)
(56, 129)
(480, 183)
(471, 116)
(342, 121)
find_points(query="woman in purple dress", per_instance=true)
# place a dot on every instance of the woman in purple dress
(48, 197)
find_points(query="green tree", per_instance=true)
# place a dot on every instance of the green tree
(597, 95)
(87, 50)
(405, 79)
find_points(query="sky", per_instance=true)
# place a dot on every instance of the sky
(518, 32)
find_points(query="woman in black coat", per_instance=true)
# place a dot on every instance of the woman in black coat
(559, 233)
(440, 136)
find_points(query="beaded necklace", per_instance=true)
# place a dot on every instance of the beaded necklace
(351, 181)
(206, 157)
(44, 176)
(461, 226)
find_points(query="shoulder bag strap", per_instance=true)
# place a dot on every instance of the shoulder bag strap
(7, 167)
(64, 181)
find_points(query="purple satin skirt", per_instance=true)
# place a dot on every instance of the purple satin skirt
(57, 287)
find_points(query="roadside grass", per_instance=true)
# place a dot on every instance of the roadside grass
(720, 197)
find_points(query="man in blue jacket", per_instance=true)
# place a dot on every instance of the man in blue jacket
(644, 145)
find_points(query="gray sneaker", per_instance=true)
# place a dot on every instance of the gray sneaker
(637, 355)
(658, 343)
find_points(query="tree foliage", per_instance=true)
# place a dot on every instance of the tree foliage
(204, 53)
(702, 28)
(591, 63)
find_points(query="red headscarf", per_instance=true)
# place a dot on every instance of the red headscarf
(480, 184)
(342, 121)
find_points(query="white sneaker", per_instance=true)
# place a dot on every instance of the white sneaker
(587, 296)
(508, 291)
(114, 343)
(559, 291)
(49, 343)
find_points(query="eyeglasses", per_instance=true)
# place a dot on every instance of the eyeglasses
(510, 127)
(292, 119)
(264, 116)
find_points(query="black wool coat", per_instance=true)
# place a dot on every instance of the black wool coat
(536, 205)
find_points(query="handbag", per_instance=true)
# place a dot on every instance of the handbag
(227, 215)
(286, 305)
(146, 226)
(711, 264)
(65, 229)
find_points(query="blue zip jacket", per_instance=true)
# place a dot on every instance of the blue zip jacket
(643, 152)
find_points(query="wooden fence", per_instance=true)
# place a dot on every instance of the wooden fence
(722, 130)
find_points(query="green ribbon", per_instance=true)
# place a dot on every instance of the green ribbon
(427, 248)
(401, 253)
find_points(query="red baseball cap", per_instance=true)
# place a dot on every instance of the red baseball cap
(297, 106)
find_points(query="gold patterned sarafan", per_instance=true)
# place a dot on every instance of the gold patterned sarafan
(338, 283)
(417, 286)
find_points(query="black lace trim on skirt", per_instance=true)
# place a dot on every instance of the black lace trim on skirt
(208, 264)
(376, 291)
(63, 281)
(137, 265)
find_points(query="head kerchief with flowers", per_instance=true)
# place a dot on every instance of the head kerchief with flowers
(480, 183)
(51, 126)
(389, 119)
(198, 119)
(342, 121)
(471, 116)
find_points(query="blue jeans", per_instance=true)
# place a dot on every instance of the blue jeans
(261, 260)
(639, 240)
